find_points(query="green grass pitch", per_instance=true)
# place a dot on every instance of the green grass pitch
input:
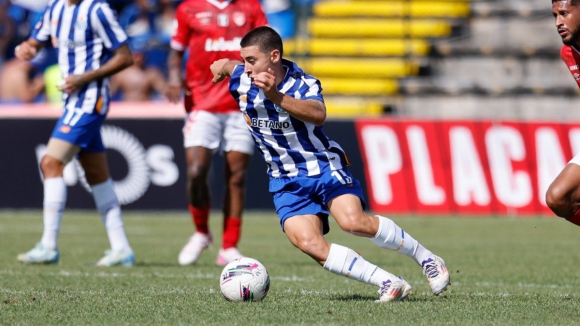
(504, 272)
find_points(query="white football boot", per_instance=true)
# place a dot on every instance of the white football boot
(225, 256)
(397, 290)
(39, 255)
(437, 274)
(194, 247)
(112, 258)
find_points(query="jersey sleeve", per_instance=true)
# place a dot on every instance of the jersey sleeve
(105, 24)
(311, 89)
(181, 33)
(41, 31)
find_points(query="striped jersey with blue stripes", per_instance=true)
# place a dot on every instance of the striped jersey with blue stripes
(290, 147)
(84, 36)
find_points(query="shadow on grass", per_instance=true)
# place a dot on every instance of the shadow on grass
(358, 297)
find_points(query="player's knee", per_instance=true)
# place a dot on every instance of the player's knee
(197, 172)
(237, 179)
(308, 244)
(51, 166)
(556, 197)
(351, 223)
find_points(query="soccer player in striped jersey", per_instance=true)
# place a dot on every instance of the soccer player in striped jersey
(91, 46)
(563, 195)
(309, 179)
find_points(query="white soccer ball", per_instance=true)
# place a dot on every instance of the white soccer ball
(244, 279)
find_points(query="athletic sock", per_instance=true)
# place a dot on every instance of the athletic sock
(108, 206)
(200, 217)
(391, 236)
(347, 262)
(232, 230)
(55, 193)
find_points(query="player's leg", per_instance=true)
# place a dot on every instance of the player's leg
(238, 146)
(305, 232)
(202, 135)
(94, 162)
(304, 219)
(345, 203)
(234, 197)
(58, 154)
(563, 195)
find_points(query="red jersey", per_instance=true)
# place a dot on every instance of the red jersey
(571, 57)
(212, 30)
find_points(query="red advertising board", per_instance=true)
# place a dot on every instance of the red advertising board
(463, 167)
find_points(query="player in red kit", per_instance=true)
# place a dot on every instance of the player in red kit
(211, 30)
(563, 195)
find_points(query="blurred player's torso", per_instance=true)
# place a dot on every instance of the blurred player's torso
(571, 57)
(212, 30)
(290, 147)
(84, 36)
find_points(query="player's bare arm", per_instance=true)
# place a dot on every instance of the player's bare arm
(121, 59)
(223, 68)
(312, 111)
(28, 49)
(174, 80)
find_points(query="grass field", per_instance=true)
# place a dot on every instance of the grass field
(504, 272)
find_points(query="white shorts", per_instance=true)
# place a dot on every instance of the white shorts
(575, 159)
(225, 132)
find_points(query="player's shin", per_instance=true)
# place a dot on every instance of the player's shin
(391, 236)
(347, 262)
(108, 206)
(55, 193)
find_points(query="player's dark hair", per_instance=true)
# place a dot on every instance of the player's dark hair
(572, 2)
(265, 38)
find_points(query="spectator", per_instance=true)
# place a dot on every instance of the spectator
(7, 29)
(138, 82)
(18, 83)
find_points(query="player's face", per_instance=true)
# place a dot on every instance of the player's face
(567, 21)
(256, 61)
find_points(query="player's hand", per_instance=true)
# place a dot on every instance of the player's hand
(25, 51)
(217, 69)
(173, 91)
(267, 82)
(72, 83)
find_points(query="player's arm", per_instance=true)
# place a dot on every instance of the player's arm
(223, 68)
(122, 58)
(174, 80)
(310, 110)
(307, 110)
(28, 49)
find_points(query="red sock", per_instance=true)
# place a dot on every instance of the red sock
(200, 216)
(575, 219)
(232, 228)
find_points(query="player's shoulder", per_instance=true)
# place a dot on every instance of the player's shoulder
(295, 71)
(248, 3)
(565, 50)
(191, 5)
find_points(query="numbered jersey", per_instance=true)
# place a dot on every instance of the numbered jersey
(289, 146)
(212, 30)
(571, 57)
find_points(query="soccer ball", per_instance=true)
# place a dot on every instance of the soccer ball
(244, 279)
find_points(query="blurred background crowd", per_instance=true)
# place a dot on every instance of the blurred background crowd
(438, 58)
(149, 25)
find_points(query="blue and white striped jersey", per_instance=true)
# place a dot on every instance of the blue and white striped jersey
(84, 36)
(289, 146)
